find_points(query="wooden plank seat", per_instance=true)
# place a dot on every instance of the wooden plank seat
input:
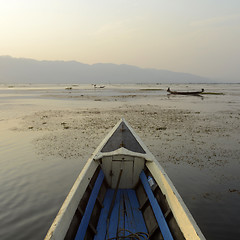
(156, 208)
(126, 218)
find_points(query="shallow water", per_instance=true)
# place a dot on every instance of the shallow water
(33, 186)
(32, 189)
(208, 198)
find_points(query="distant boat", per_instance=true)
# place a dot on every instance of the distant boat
(185, 93)
(95, 86)
(123, 193)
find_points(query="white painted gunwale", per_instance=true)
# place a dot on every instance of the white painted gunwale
(180, 211)
(64, 217)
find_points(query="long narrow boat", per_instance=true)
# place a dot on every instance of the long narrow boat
(123, 193)
(185, 93)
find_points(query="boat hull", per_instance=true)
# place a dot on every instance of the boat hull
(185, 93)
(123, 171)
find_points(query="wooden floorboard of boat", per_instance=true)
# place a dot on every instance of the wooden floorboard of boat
(125, 218)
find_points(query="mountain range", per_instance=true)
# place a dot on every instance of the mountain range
(23, 70)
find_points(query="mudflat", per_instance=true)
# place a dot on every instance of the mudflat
(195, 139)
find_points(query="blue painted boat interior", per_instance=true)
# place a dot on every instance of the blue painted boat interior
(91, 202)
(126, 218)
(156, 209)
(120, 215)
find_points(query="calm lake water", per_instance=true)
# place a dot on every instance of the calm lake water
(33, 187)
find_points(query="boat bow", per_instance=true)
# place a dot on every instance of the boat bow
(122, 139)
(123, 159)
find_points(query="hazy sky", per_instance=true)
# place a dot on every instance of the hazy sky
(194, 36)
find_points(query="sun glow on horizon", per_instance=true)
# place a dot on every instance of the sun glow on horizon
(195, 37)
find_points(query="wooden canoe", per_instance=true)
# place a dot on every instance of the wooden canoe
(121, 193)
(185, 93)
